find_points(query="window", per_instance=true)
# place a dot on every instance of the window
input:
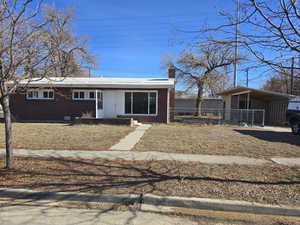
(48, 95)
(84, 95)
(152, 103)
(142, 103)
(92, 95)
(100, 100)
(40, 94)
(128, 109)
(81, 95)
(29, 94)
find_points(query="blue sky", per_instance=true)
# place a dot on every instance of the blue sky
(129, 38)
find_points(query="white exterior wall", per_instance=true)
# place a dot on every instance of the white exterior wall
(113, 103)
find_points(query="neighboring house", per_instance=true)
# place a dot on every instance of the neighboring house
(146, 100)
(186, 104)
(274, 104)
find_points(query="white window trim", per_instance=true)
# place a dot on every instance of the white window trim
(148, 91)
(40, 94)
(86, 95)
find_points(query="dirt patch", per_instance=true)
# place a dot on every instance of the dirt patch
(60, 136)
(219, 140)
(271, 184)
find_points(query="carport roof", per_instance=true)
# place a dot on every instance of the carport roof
(258, 93)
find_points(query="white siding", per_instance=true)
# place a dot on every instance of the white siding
(113, 103)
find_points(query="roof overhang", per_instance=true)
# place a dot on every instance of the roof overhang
(256, 93)
(115, 83)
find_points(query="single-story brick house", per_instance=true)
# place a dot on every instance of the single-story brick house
(57, 99)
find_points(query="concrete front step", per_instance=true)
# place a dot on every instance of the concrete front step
(136, 123)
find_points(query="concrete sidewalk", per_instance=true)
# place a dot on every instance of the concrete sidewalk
(130, 155)
(287, 161)
(127, 143)
(44, 215)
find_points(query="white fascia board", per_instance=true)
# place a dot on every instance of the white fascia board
(119, 86)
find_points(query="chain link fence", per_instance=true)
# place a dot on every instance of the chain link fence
(246, 117)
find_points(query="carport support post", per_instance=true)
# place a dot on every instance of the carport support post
(252, 122)
(248, 106)
(263, 121)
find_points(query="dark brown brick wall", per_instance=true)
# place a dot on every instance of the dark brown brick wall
(63, 105)
(114, 121)
(172, 104)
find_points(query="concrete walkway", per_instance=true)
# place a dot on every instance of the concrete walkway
(131, 155)
(287, 161)
(127, 143)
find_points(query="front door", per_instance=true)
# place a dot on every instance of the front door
(99, 104)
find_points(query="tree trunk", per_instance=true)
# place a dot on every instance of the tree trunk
(199, 100)
(8, 132)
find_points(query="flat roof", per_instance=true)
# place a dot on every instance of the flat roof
(256, 92)
(99, 82)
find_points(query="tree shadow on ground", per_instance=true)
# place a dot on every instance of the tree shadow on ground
(122, 177)
(272, 136)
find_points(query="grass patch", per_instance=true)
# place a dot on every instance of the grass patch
(60, 136)
(219, 140)
(271, 184)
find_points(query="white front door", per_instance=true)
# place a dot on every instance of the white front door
(99, 104)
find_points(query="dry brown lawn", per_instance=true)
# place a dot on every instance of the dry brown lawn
(61, 136)
(271, 183)
(219, 140)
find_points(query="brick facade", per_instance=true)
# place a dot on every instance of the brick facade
(63, 105)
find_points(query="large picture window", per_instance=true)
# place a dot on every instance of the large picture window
(141, 103)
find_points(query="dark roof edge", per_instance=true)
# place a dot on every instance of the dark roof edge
(257, 90)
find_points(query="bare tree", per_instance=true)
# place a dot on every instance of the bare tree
(282, 82)
(203, 69)
(69, 49)
(31, 48)
(268, 29)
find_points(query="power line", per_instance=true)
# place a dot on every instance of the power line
(139, 17)
(236, 43)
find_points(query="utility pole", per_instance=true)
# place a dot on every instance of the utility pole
(236, 43)
(247, 77)
(292, 76)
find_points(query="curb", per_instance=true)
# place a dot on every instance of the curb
(155, 202)
(221, 205)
